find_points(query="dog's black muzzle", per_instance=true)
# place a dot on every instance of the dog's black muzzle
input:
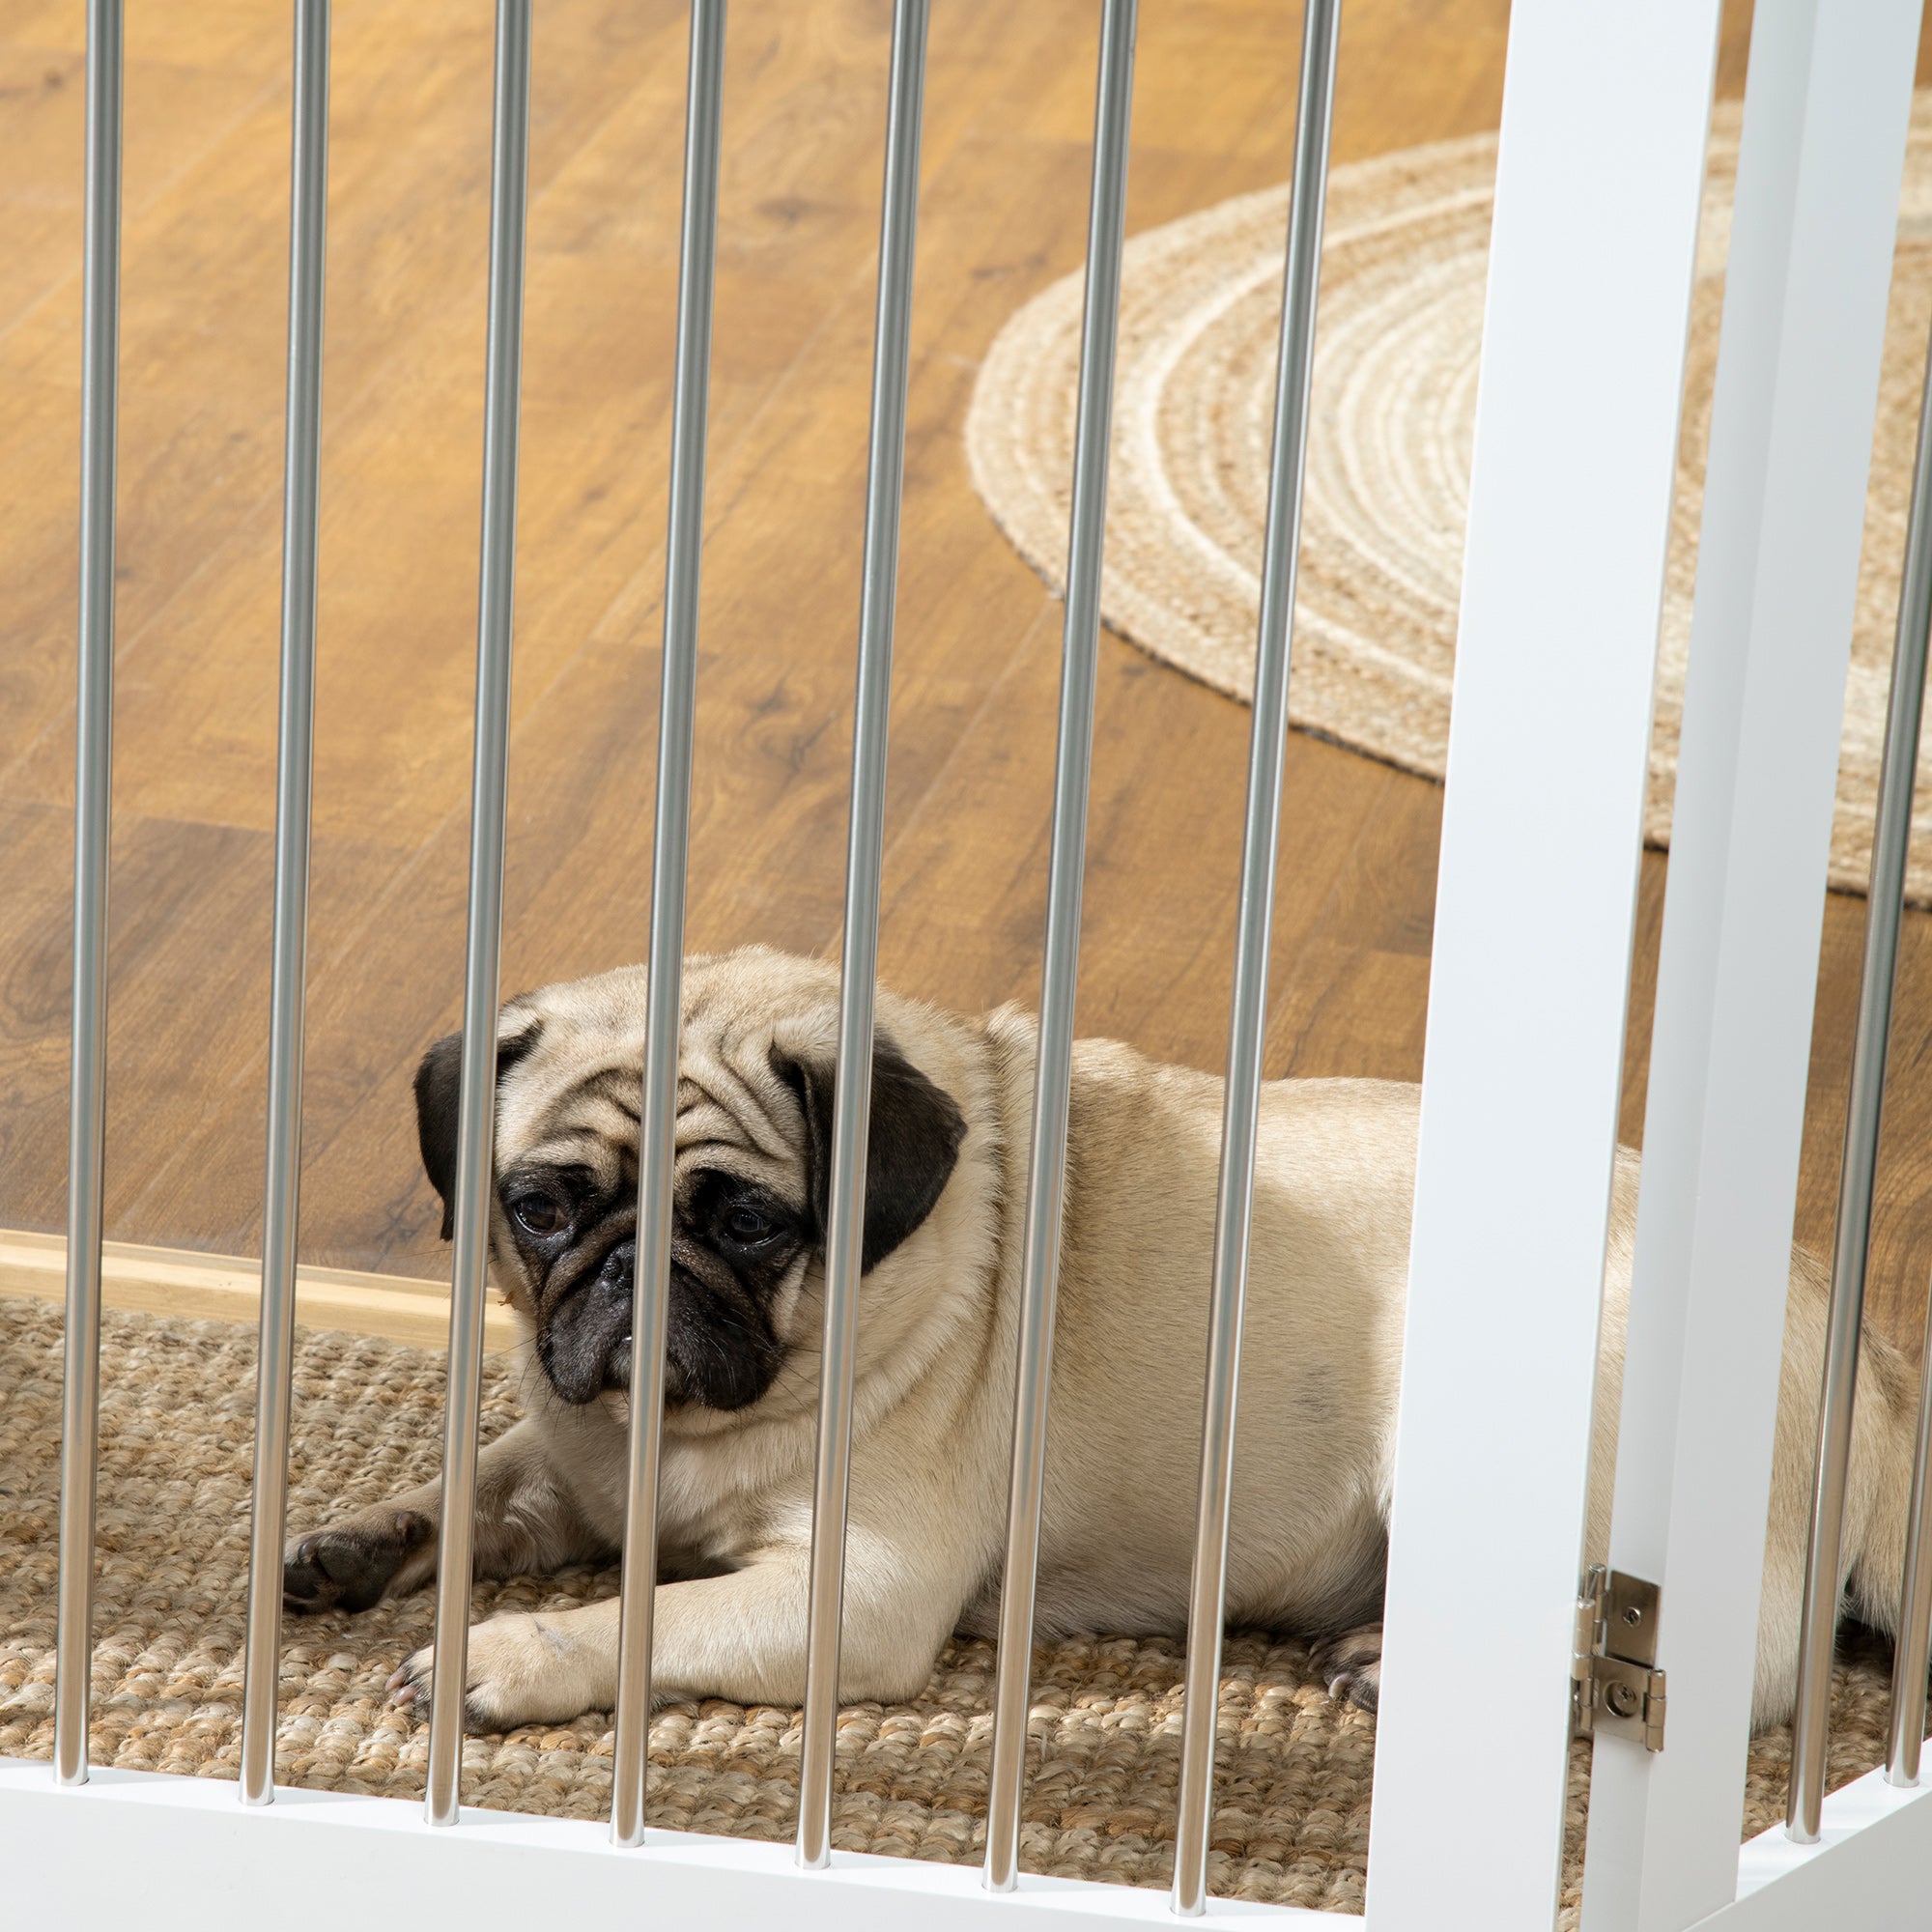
(585, 1344)
(719, 1350)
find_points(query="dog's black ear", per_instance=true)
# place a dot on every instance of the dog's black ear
(911, 1146)
(439, 1083)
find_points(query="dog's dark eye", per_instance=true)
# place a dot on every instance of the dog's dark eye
(746, 1225)
(536, 1214)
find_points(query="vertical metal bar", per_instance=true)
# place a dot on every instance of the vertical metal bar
(1046, 1170)
(852, 1102)
(1894, 830)
(308, 201)
(1247, 1030)
(92, 784)
(1884, 906)
(477, 1109)
(671, 836)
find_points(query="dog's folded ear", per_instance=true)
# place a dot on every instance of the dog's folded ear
(439, 1090)
(911, 1146)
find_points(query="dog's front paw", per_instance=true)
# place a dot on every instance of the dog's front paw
(350, 1568)
(522, 1670)
(1353, 1665)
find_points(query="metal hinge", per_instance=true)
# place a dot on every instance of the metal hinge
(1615, 1687)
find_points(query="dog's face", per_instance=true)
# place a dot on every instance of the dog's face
(751, 1177)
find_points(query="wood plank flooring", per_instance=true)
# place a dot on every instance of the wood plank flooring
(1003, 214)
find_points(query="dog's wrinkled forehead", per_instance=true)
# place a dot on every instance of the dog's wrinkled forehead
(573, 1096)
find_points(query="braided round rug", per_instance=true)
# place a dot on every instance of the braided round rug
(1397, 346)
(177, 1417)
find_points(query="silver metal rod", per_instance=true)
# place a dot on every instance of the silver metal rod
(650, 1294)
(1046, 1170)
(1885, 905)
(852, 1102)
(93, 783)
(477, 1109)
(1247, 1030)
(308, 201)
(1910, 1655)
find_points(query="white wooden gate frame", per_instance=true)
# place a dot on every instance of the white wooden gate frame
(1604, 119)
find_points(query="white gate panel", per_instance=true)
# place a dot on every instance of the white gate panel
(194, 1859)
(1598, 201)
(1584, 328)
(1871, 1869)
(1805, 304)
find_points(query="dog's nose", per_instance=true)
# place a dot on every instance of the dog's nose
(619, 1266)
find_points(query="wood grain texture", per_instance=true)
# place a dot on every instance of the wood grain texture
(1003, 212)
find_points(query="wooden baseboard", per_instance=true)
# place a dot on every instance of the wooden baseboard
(227, 1288)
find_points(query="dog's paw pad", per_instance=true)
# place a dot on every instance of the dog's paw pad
(351, 1567)
(489, 1705)
(522, 1670)
(413, 1684)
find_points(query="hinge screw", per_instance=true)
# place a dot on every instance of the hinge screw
(1622, 1700)
(1632, 1616)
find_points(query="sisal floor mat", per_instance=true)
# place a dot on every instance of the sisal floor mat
(1292, 1812)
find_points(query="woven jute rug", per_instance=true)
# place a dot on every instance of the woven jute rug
(1396, 344)
(1292, 1804)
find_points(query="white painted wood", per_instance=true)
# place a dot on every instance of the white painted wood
(182, 1855)
(199, 1862)
(1823, 149)
(1587, 310)
(1871, 1872)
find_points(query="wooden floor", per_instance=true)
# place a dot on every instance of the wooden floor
(1003, 212)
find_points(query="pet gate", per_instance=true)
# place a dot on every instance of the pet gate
(1491, 1657)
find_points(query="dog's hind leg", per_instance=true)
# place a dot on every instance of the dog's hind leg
(1352, 1665)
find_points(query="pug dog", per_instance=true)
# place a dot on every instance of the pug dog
(938, 1313)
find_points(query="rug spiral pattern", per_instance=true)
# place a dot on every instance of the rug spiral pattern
(1396, 348)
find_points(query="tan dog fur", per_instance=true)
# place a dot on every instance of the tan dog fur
(933, 1409)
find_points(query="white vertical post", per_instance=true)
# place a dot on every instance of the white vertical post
(1605, 109)
(1826, 115)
